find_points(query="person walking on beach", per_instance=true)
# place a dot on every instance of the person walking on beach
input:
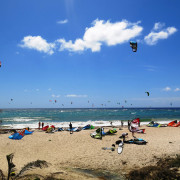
(42, 125)
(70, 128)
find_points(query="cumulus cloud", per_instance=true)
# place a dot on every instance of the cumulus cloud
(37, 43)
(177, 89)
(167, 89)
(74, 95)
(103, 32)
(158, 26)
(62, 21)
(158, 33)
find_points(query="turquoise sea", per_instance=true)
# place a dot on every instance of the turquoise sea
(20, 118)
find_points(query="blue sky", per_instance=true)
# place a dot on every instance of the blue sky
(78, 51)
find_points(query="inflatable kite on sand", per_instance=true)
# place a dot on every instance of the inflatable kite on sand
(17, 135)
(134, 126)
(28, 132)
(174, 123)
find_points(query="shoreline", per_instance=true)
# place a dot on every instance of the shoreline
(116, 124)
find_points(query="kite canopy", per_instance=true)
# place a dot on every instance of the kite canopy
(147, 93)
(17, 135)
(133, 45)
(28, 132)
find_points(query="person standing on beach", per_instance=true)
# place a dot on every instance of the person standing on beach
(70, 128)
(122, 123)
(129, 124)
(39, 125)
(42, 124)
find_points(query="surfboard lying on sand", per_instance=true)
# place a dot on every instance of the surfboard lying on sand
(120, 147)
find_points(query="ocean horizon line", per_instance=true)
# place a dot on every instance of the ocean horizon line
(95, 108)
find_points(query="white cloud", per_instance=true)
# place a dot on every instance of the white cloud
(153, 37)
(37, 43)
(150, 68)
(158, 26)
(177, 89)
(103, 32)
(55, 96)
(62, 21)
(74, 95)
(167, 89)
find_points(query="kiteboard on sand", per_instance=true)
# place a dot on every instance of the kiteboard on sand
(120, 147)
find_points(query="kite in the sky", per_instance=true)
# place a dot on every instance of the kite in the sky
(0, 63)
(133, 45)
(147, 93)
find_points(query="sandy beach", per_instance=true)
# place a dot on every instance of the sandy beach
(64, 151)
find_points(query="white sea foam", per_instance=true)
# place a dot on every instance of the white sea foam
(79, 124)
